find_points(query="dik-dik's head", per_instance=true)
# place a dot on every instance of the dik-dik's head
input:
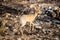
(37, 9)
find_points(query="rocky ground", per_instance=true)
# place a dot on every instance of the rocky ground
(46, 25)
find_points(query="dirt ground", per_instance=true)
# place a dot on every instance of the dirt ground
(30, 20)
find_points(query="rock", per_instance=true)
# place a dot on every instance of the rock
(32, 11)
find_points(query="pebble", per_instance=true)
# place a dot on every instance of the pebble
(14, 30)
(7, 28)
(18, 38)
(38, 27)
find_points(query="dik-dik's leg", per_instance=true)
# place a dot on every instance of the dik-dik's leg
(31, 27)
